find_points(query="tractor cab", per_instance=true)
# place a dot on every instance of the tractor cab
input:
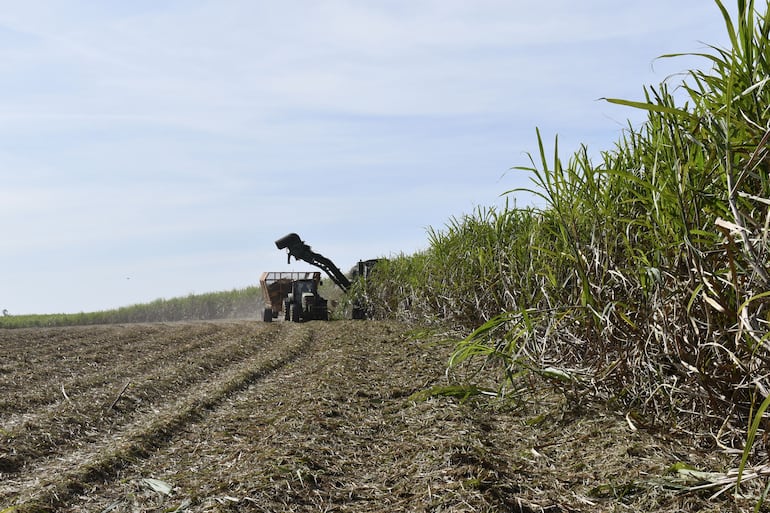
(304, 303)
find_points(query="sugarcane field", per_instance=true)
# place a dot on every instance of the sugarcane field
(368, 257)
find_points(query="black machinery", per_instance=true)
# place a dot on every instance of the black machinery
(309, 304)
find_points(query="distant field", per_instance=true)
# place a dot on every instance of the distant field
(246, 303)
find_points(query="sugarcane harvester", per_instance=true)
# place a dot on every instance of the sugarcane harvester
(305, 301)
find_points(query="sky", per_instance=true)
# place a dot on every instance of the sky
(154, 149)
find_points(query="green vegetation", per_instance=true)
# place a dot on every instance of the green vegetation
(644, 274)
(238, 303)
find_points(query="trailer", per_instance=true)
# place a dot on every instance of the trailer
(276, 287)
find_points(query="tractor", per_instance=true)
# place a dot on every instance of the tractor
(304, 303)
(276, 287)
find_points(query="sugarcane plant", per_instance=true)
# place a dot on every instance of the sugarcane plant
(641, 273)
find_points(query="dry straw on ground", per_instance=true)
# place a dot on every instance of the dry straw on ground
(318, 417)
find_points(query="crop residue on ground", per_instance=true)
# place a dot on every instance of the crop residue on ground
(248, 416)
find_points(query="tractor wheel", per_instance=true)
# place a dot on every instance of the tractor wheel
(295, 313)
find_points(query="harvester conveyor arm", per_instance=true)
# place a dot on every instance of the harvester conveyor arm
(301, 251)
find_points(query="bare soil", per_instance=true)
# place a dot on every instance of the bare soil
(252, 416)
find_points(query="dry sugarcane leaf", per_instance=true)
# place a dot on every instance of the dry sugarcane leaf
(157, 485)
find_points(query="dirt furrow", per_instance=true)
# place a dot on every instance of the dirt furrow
(57, 478)
(55, 429)
(63, 370)
(334, 429)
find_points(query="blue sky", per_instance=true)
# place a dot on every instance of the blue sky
(153, 149)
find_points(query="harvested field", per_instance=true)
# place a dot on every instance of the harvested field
(251, 416)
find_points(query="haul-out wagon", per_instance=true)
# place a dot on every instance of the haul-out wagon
(276, 287)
